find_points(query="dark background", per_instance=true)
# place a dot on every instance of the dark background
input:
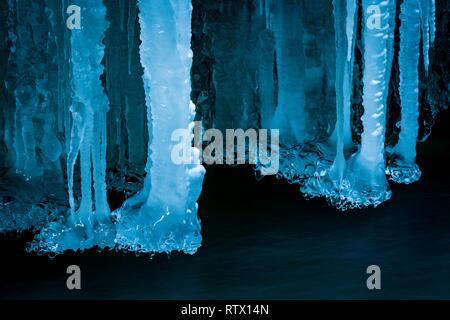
(263, 240)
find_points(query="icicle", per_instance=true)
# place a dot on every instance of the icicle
(402, 167)
(288, 29)
(345, 65)
(433, 21)
(165, 210)
(89, 224)
(343, 57)
(367, 184)
(88, 92)
(68, 72)
(427, 13)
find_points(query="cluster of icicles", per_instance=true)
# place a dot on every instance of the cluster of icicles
(159, 217)
(356, 176)
(60, 141)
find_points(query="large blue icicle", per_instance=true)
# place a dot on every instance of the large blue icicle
(366, 182)
(89, 222)
(416, 15)
(163, 216)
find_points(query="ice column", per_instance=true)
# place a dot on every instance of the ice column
(427, 12)
(416, 15)
(163, 216)
(89, 107)
(89, 221)
(288, 29)
(367, 184)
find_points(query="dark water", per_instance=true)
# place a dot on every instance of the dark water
(264, 241)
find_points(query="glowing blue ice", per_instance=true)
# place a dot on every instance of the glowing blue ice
(162, 217)
(88, 116)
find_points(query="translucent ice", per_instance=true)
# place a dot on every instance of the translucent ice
(415, 16)
(163, 216)
(89, 222)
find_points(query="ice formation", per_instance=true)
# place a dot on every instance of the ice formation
(89, 219)
(162, 217)
(89, 114)
(415, 16)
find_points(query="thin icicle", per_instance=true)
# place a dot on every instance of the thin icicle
(366, 179)
(428, 26)
(343, 57)
(89, 224)
(345, 65)
(433, 21)
(402, 167)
